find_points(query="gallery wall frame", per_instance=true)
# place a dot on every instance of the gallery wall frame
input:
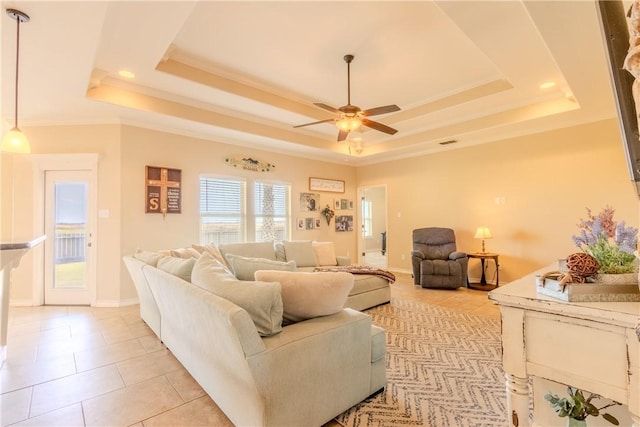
(328, 185)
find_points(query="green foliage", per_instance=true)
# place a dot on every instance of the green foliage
(578, 407)
(612, 260)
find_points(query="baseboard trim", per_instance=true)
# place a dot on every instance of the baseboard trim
(116, 303)
(21, 303)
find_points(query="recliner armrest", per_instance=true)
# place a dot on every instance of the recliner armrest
(457, 255)
(417, 254)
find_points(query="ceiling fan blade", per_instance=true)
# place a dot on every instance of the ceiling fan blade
(327, 107)
(342, 135)
(315, 123)
(378, 126)
(380, 110)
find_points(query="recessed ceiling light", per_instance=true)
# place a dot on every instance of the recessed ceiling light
(547, 85)
(126, 74)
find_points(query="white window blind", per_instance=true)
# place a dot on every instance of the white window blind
(222, 211)
(271, 210)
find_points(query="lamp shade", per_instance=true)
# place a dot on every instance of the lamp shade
(15, 141)
(483, 233)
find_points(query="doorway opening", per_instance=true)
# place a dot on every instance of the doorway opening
(373, 238)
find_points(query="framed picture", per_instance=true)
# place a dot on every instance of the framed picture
(323, 184)
(300, 223)
(309, 223)
(344, 223)
(317, 222)
(163, 190)
(336, 204)
(344, 204)
(309, 202)
(350, 205)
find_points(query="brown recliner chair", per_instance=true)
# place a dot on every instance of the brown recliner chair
(436, 262)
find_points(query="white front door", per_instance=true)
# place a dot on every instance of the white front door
(69, 229)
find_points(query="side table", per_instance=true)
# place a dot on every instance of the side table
(483, 285)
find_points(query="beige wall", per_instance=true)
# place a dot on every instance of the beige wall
(530, 191)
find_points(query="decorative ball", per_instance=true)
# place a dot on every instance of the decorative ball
(581, 266)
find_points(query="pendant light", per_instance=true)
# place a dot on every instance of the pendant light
(15, 141)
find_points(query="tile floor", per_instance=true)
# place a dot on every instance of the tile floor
(76, 366)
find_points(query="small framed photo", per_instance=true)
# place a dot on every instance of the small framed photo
(309, 223)
(300, 223)
(336, 204)
(344, 204)
(344, 223)
(309, 202)
(350, 205)
(317, 222)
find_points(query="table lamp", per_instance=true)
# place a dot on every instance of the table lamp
(483, 233)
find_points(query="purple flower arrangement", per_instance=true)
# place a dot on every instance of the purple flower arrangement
(611, 243)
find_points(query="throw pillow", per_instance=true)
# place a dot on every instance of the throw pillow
(214, 252)
(185, 253)
(325, 253)
(177, 266)
(261, 300)
(147, 257)
(249, 249)
(244, 268)
(300, 251)
(308, 295)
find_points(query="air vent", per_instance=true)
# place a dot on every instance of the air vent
(451, 141)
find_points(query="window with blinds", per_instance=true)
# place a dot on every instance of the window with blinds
(271, 211)
(222, 211)
(225, 219)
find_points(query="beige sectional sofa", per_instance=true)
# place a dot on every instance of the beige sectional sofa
(259, 372)
(368, 290)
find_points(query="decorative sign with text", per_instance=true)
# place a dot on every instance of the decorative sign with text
(163, 190)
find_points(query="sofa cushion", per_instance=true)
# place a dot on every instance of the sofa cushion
(325, 253)
(308, 295)
(244, 268)
(180, 267)
(147, 257)
(300, 251)
(261, 300)
(214, 252)
(249, 250)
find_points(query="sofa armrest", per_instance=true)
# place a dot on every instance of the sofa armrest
(417, 254)
(343, 260)
(315, 357)
(457, 255)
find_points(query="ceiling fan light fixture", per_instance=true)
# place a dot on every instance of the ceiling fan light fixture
(349, 123)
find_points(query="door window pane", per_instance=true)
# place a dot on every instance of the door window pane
(70, 235)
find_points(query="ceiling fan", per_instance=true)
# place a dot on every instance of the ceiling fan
(352, 117)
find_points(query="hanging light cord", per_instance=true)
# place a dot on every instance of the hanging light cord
(15, 123)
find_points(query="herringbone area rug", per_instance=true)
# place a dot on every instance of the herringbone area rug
(443, 369)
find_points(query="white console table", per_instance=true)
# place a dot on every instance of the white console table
(10, 255)
(589, 345)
